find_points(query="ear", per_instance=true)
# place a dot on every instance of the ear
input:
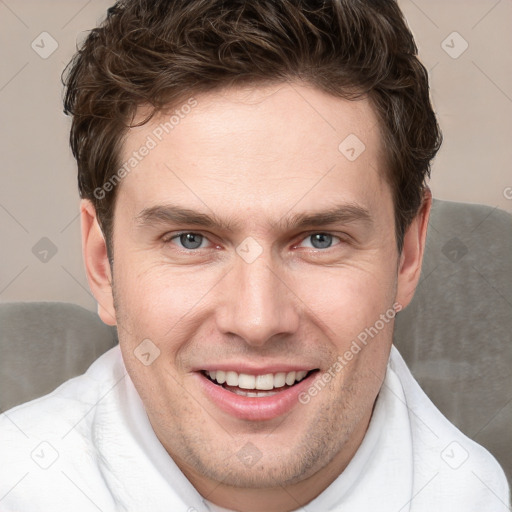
(412, 252)
(97, 267)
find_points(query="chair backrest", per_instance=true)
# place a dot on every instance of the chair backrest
(456, 335)
(45, 343)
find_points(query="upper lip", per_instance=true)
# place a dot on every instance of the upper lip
(257, 370)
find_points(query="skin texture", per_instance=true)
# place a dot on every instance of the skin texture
(256, 158)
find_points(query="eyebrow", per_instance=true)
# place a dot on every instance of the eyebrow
(172, 214)
(341, 214)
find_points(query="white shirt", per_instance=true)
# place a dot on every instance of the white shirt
(89, 446)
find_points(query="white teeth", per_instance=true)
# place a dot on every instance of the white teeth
(232, 378)
(246, 381)
(300, 375)
(290, 378)
(254, 394)
(279, 380)
(264, 382)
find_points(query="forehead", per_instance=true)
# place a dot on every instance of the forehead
(256, 151)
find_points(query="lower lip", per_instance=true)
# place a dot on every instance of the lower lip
(254, 408)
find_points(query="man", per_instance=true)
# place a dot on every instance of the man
(253, 199)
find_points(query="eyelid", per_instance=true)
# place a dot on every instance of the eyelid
(306, 236)
(172, 235)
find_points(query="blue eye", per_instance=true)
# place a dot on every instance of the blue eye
(190, 240)
(320, 240)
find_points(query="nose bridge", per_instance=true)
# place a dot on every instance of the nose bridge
(256, 303)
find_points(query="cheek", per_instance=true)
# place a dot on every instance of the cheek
(347, 300)
(156, 301)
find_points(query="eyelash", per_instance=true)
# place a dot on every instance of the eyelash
(341, 239)
(169, 237)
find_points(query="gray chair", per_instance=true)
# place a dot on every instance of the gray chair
(44, 344)
(456, 335)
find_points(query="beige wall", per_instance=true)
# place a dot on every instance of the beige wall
(38, 194)
(472, 95)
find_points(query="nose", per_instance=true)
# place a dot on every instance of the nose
(257, 304)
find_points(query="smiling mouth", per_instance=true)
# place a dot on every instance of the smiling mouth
(243, 384)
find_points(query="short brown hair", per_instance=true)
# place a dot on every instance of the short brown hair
(157, 52)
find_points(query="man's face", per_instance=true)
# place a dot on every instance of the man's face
(247, 241)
